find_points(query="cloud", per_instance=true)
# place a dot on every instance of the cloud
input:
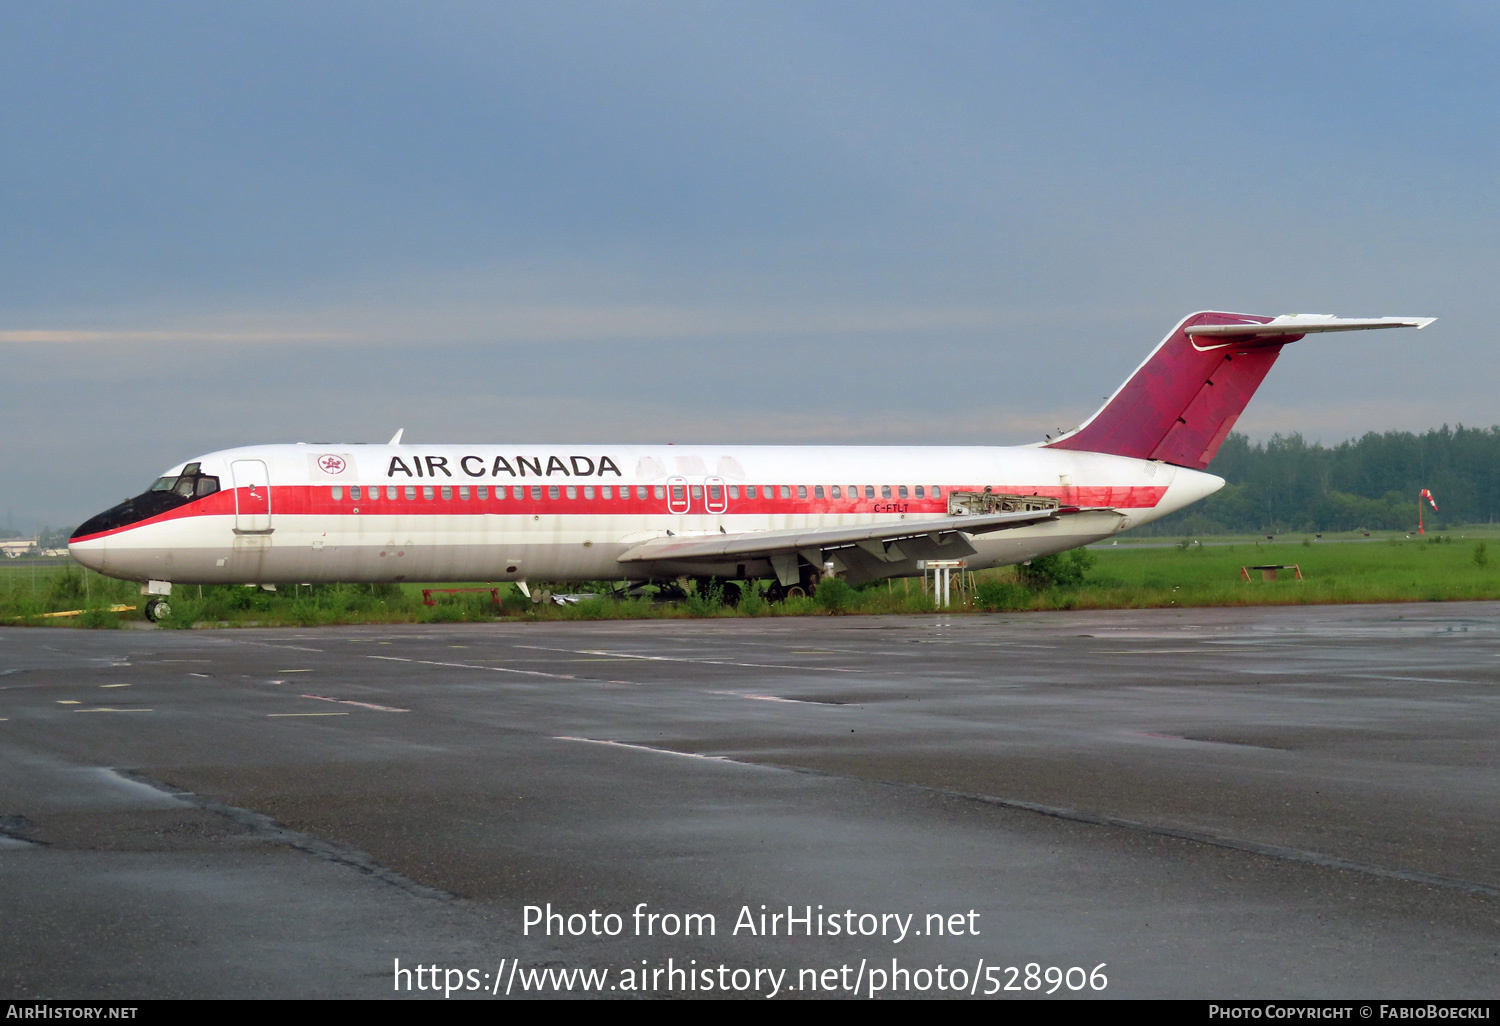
(560, 323)
(48, 336)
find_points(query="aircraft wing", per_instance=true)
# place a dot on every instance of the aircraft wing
(880, 541)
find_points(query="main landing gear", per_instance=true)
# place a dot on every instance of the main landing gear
(806, 587)
(157, 610)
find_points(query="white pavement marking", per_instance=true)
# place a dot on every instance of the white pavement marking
(1151, 651)
(362, 705)
(648, 748)
(500, 669)
(1421, 680)
(773, 698)
(266, 644)
(683, 659)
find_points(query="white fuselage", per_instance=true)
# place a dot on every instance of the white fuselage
(321, 513)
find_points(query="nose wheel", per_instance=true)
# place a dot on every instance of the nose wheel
(157, 610)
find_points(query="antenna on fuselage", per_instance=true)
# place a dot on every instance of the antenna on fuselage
(396, 438)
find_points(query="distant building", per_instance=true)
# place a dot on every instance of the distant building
(14, 547)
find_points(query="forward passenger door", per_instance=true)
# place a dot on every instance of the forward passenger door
(252, 497)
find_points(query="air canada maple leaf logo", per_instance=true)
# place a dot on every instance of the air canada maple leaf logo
(331, 464)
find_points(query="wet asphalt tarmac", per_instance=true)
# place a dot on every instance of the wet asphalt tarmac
(1214, 803)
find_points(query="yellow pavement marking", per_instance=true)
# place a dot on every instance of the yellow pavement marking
(67, 701)
(294, 671)
(309, 714)
(114, 685)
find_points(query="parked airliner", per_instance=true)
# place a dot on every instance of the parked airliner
(270, 514)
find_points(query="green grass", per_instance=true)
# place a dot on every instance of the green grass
(1125, 576)
(1436, 568)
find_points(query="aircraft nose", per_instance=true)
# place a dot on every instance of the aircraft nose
(92, 553)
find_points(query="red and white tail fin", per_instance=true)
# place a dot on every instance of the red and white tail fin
(1182, 402)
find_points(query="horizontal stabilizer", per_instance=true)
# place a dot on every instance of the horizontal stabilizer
(1303, 324)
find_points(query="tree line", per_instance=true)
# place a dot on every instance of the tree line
(1286, 484)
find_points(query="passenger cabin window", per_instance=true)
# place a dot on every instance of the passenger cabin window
(716, 492)
(354, 492)
(588, 491)
(552, 491)
(901, 491)
(536, 491)
(572, 491)
(837, 492)
(734, 491)
(463, 492)
(919, 491)
(411, 491)
(749, 491)
(802, 491)
(869, 491)
(482, 492)
(677, 495)
(338, 493)
(885, 491)
(427, 492)
(608, 492)
(817, 491)
(937, 493)
(786, 491)
(661, 492)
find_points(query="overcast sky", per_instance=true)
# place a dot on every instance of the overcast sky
(931, 222)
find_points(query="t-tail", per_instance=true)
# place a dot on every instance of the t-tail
(1182, 402)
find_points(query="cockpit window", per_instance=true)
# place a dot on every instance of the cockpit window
(192, 484)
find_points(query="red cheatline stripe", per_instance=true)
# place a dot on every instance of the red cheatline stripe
(317, 500)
